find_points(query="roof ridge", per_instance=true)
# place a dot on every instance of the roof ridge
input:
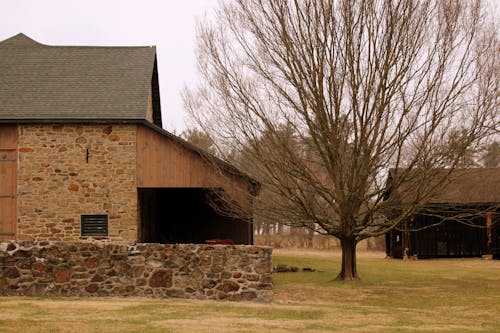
(101, 46)
(65, 82)
(23, 40)
(20, 40)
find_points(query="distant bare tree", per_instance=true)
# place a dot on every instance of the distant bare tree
(199, 138)
(458, 150)
(363, 86)
(491, 155)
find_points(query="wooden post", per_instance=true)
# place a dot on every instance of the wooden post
(489, 223)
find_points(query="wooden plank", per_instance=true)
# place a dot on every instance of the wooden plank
(7, 178)
(141, 153)
(159, 164)
(7, 218)
(165, 163)
(8, 136)
(8, 181)
(489, 224)
(165, 177)
(8, 155)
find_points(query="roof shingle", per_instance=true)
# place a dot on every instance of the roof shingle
(41, 82)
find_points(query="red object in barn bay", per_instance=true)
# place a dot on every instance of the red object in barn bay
(219, 242)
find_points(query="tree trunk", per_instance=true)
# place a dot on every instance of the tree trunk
(348, 271)
(309, 238)
(265, 231)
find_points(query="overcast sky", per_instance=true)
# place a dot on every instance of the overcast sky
(168, 24)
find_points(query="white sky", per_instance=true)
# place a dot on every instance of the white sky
(168, 24)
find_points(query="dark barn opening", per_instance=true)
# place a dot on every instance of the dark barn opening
(184, 215)
(461, 219)
(427, 236)
(449, 239)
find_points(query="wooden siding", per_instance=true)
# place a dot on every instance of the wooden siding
(172, 181)
(8, 181)
(444, 238)
(164, 163)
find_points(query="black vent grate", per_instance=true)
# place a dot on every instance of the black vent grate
(94, 225)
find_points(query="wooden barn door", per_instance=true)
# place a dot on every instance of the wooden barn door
(8, 176)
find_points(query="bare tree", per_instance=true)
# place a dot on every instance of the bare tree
(491, 155)
(199, 138)
(363, 86)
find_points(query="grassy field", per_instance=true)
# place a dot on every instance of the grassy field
(452, 295)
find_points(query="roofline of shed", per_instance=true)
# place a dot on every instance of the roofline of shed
(455, 204)
(485, 204)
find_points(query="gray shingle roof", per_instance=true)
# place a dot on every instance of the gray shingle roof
(41, 82)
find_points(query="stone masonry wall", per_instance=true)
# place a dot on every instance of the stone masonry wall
(68, 170)
(97, 269)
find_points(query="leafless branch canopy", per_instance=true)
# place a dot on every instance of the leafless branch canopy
(320, 98)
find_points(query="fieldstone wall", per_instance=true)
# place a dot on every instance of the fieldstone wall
(66, 170)
(233, 272)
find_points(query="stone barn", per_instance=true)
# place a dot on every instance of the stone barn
(461, 220)
(83, 153)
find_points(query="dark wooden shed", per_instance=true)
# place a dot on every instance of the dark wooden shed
(461, 220)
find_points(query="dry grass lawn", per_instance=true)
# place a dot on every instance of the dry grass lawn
(445, 295)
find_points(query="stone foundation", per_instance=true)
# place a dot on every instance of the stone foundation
(193, 271)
